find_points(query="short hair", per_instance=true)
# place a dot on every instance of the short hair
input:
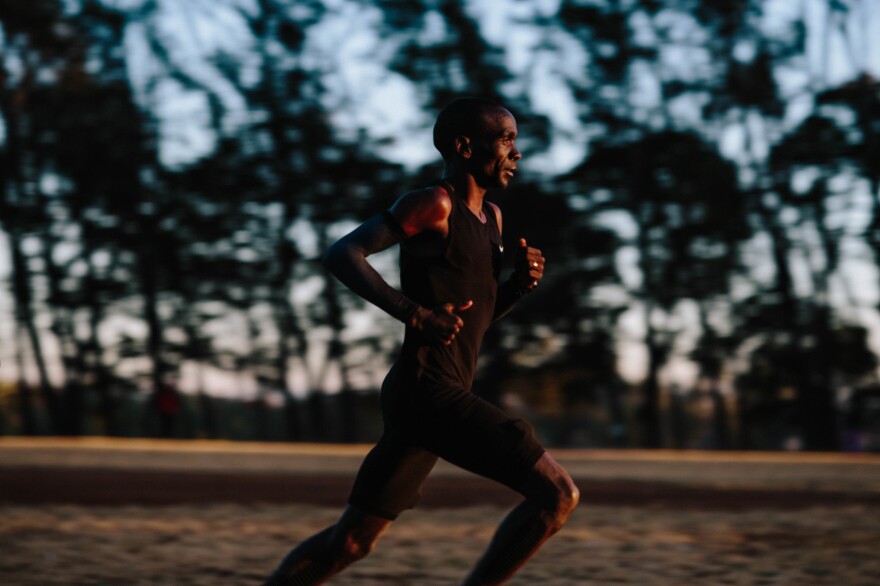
(463, 116)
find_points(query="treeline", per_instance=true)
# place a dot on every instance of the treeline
(708, 225)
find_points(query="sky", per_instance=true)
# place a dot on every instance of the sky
(347, 47)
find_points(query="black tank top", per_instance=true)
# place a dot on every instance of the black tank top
(467, 269)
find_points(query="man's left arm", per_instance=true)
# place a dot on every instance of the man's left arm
(527, 272)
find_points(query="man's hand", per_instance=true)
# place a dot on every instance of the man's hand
(441, 324)
(528, 266)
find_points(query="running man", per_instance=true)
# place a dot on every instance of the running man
(450, 259)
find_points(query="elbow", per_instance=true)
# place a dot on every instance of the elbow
(338, 256)
(331, 257)
(334, 257)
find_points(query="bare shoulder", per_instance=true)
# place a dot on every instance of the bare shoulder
(423, 209)
(497, 211)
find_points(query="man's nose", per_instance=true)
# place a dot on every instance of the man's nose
(515, 154)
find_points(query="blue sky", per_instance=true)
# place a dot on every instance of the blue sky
(347, 48)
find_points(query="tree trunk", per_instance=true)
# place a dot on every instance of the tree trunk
(26, 407)
(650, 413)
(26, 319)
(287, 324)
(149, 291)
(95, 364)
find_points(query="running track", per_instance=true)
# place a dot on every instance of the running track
(103, 471)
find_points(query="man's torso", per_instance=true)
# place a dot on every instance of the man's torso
(462, 267)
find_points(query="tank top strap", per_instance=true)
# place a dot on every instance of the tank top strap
(457, 202)
(492, 220)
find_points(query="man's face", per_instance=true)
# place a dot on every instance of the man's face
(495, 154)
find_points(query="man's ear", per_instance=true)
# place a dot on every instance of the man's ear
(463, 146)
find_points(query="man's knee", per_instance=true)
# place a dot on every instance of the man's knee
(554, 490)
(356, 534)
(565, 498)
(353, 546)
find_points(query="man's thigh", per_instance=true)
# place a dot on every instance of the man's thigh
(477, 436)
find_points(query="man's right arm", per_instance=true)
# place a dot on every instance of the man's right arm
(347, 260)
(410, 215)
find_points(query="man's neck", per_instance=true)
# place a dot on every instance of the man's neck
(468, 190)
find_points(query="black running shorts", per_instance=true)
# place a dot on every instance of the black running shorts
(453, 424)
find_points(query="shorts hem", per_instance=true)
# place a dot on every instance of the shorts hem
(530, 461)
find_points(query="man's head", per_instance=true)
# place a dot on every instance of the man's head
(479, 135)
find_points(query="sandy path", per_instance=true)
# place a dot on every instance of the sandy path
(236, 545)
(132, 513)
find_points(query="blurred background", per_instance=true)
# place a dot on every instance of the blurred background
(702, 176)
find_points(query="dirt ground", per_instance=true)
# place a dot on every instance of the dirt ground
(231, 544)
(667, 525)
